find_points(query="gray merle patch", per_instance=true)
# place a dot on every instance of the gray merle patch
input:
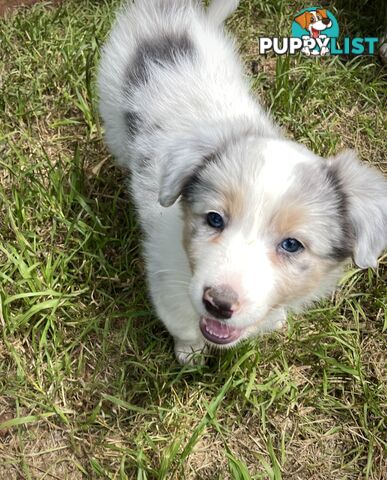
(165, 50)
(132, 121)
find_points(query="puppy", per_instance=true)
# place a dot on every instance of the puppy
(240, 224)
(315, 22)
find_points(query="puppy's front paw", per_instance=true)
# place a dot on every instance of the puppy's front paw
(280, 320)
(190, 354)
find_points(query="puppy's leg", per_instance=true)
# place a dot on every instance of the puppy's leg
(188, 353)
(275, 320)
(280, 319)
(170, 298)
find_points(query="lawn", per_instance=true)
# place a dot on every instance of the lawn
(89, 387)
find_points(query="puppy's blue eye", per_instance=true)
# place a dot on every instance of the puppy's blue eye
(215, 220)
(291, 245)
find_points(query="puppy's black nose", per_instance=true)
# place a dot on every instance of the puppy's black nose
(220, 302)
(326, 21)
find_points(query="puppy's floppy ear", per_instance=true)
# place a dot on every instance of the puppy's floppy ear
(303, 19)
(182, 156)
(180, 165)
(365, 190)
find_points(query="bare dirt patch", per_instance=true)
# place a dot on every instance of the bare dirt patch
(8, 5)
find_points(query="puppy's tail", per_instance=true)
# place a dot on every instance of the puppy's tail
(220, 10)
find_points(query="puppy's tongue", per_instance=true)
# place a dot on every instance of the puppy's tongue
(218, 332)
(315, 32)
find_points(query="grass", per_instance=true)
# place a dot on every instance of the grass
(88, 384)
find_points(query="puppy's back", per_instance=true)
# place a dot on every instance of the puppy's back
(162, 55)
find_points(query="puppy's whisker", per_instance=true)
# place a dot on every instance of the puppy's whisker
(178, 295)
(176, 282)
(178, 286)
(178, 272)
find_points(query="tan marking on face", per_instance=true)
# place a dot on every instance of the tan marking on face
(295, 282)
(275, 258)
(234, 203)
(288, 220)
(215, 239)
(283, 225)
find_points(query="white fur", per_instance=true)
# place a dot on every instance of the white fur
(188, 110)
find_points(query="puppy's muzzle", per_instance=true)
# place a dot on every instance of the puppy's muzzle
(221, 301)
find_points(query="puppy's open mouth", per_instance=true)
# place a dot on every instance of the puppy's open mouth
(315, 32)
(218, 332)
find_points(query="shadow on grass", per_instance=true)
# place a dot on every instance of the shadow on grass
(361, 18)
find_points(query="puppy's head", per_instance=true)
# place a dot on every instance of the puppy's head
(314, 21)
(268, 226)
